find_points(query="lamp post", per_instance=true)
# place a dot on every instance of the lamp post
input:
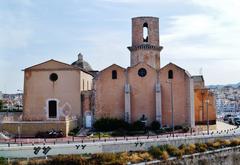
(207, 102)
(171, 91)
(19, 125)
(19, 100)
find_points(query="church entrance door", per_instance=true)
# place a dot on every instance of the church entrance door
(52, 109)
(88, 121)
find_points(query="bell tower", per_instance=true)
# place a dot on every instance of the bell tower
(145, 41)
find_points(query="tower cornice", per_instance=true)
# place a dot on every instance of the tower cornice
(145, 46)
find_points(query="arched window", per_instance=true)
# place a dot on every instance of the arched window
(145, 32)
(170, 74)
(114, 74)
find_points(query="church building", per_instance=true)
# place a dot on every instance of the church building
(63, 96)
(145, 90)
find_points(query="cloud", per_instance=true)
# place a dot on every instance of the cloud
(210, 37)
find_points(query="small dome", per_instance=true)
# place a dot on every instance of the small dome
(82, 64)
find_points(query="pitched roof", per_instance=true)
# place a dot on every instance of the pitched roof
(198, 78)
(54, 65)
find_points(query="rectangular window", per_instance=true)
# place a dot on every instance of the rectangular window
(52, 109)
(114, 74)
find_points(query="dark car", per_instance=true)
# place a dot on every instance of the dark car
(236, 121)
(226, 117)
(50, 134)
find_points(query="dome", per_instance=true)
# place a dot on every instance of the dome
(82, 64)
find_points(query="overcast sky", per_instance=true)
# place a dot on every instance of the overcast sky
(201, 36)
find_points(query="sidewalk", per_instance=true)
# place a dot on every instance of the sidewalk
(224, 126)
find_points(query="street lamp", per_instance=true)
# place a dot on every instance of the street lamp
(19, 126)
(171, 91)
(19, 100)
(207, 102)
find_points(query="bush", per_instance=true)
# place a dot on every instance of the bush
(61, 159)
(165, 155)
(74, 131)
(155, 125)
(135, 158)
(185, 129)
(110, 124)
(138, 126)
(145, 156)
(216, 144)
(119, 132)
(201, 147)
(172, 150)
(156, 152)
(178, 127)
(226, 143)
(234, 142)
(3, 161)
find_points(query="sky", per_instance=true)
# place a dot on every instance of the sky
(201, 36)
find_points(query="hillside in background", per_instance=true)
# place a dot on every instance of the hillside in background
(237, 85)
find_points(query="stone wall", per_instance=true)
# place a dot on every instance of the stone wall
(226, 156)
(31, 128)
(27, 151)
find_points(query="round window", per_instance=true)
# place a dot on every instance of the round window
(53, 77)
(142, 72)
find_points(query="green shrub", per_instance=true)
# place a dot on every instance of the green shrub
(201, 147)
(74, 131)
(106, 158)
(3, 161)
(160, 131)
(119, 132)
(67, 159)
(185, 129)
(145, 156)
(137, 126)
(174, 151)
(155, 125)
(156, 152)
(168, 129)
(178, 127)
(110, 124)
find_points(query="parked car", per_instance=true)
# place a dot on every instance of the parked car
(236, 121)
(50, 134)
(226, 117)
(231, 120)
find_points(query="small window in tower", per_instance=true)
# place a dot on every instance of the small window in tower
(114, 74)
(145, 32)
(170, 74)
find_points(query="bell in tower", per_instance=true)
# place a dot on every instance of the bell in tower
(145, 41)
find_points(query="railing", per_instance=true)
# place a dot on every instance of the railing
(76, 139)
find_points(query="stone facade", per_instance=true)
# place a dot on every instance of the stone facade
(205, 106)
(58, 92)
(145, 47)
(52, 93)
(143, 89)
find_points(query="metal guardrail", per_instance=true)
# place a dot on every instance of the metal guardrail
(70, 139)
